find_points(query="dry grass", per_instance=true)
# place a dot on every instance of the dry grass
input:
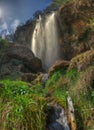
(82, 61)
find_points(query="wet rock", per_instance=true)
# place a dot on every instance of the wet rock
(56, 118)
(45, 79)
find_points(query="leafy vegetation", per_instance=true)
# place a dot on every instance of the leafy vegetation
(73, 75)
(55, 77)
(82, 96)
(60, 2)
(20, 108)
(3, 43)
(91, 23)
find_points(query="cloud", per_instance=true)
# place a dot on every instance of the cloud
(4, 30)
(14, 24)
(3, 26)
(8, 29)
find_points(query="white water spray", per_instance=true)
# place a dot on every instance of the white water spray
(45, 40)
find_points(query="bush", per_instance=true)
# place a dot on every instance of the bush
(3, 43)
(60, 2)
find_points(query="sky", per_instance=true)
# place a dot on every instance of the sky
(14, 12)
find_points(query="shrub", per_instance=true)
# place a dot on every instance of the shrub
(3, 43)
(60, 2)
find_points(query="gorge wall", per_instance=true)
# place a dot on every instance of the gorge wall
(75, 30)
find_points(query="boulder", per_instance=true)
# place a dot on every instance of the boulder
(17, 59)
(56, 118)
(58, 65)
(28, 77)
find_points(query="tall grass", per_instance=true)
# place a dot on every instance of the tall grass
(20, 108)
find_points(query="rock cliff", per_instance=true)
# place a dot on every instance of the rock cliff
(17, 60)
(75, 21)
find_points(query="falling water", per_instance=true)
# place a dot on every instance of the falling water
(45, 40)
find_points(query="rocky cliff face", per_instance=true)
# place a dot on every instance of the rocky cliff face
(24, 33)
(75, 21)
(16, 60)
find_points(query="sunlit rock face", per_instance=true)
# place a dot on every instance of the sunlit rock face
(44, 43)
(24, 33)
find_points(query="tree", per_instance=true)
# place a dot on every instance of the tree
(37, 13)
(60, 2)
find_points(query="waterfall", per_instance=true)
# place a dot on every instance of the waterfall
(45, 40)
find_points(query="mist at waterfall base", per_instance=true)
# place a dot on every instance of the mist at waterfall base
(44, 43)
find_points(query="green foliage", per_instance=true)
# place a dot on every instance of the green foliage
(60, 2)
(20, 107)
(55, 77)
(60, 96)
(3, 43)
(73, 75)
(54, 84)
(82, 106)
(92, 97)
(91, 23)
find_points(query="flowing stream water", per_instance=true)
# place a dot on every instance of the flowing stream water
(45, 40)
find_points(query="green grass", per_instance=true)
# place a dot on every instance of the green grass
(20, 107)
(55, 77)
(23, 108)
(60, 96)
(3, 43)
(55, 85)
(91, 23)
(73, 75)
